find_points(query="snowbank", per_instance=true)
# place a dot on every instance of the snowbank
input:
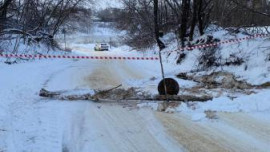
(253, 103)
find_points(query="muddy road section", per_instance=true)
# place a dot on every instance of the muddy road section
(232, 132)
(111, 74)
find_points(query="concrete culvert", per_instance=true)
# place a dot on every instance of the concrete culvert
(171, 85)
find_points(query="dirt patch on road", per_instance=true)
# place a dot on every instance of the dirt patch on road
(246, 122)
(103, 77)
(110, 74)
(217, 80)
(192, 137)
(215, 136)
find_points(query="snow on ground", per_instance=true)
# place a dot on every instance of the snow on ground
(24, 117)
(255, 54)
(253, 103)
(31, 123)
(230, 132)
(255, 70)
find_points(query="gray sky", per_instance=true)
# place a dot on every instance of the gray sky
(102, 4)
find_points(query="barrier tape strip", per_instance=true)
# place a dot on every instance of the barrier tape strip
(231, 41)
(75, 57)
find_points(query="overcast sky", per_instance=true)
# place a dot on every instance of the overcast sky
(102, 4)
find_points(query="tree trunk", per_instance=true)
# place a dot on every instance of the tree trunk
(3, 9)
(184, 21)
(159, 42)
(3, 13)
(194, 20)
(200, 17)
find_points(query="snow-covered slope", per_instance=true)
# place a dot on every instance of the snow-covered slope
(253, 56)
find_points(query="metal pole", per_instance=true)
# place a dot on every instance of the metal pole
(163, 76)
(160, 45)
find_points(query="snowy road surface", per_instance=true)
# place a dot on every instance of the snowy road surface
(31, 123)
(237, 132)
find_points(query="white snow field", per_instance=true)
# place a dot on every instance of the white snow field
(30, 123)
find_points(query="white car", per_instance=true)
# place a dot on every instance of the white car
(102, 47)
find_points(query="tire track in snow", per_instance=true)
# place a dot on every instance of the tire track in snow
(113, 128)
(209, 136)
(190, 135)
(250, 124)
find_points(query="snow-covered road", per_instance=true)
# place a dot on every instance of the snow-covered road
(237, 132)
(31, 123)
(99, 127)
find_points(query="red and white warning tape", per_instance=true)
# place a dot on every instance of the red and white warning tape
(232, 41)
(75, 57)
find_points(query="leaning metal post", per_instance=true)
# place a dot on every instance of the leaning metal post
(163, 75)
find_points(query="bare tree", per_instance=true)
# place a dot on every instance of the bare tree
(187, 18)
(3, 13)
(36, 21)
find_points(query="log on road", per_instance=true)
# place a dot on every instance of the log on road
(61, 95)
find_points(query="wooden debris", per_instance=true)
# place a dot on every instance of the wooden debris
(45, 93)
(103, 92)
(185, 98)
(103, 96)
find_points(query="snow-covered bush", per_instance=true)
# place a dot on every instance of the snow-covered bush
(209, 57)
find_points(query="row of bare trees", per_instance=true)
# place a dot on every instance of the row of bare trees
(37, 20)
(187, 18)
(181, 16)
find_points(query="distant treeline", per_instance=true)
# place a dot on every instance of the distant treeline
(185, 17)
